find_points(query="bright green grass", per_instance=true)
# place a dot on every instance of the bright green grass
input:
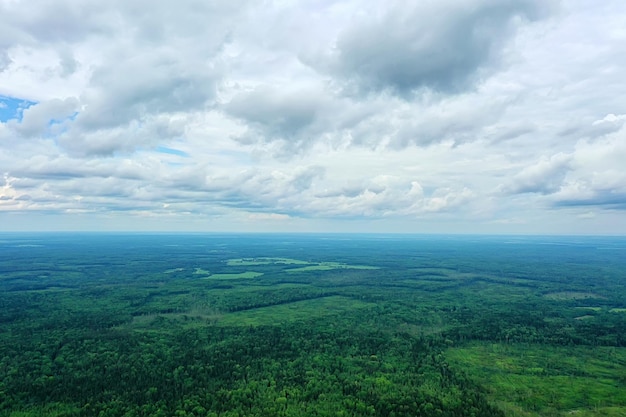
(327, 266)
(200, 271)
(571, 295)
(299, 310)
(254, 286)
(163, 323)
(307, 266)
(541, 380)
(445, 273)
(312, 268)
(617, 310)
(589, 308)
(247, 274)
(264, 261)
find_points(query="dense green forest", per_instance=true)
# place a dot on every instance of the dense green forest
(311, 325)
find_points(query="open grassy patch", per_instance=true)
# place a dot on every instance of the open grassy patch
(305, 265)
(252, 287)
(299, 310)
(541, 380)
(572, 295)
(589, 308)
(167, 322)
(200, 271)
(312, 268)
(241, 275)
(327, 266)
(264, 261)
(617, 310)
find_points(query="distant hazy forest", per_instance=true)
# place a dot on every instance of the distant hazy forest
(311, 325)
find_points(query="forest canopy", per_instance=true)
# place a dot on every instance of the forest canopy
(302, 325)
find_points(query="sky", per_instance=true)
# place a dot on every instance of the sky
(431, 116)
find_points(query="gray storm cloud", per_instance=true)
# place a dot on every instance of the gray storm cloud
(446, 46)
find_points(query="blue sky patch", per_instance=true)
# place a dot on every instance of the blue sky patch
(12, 108)
(171, 151)
(71, 117)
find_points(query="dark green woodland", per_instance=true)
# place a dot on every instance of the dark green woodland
(311, 325)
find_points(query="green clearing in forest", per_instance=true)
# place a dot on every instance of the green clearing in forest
(527, 380)
(241, 275)
(298, 310)
(589, 308)
(327, 266)
(169, 322)
(253, 287)
(171, 271)
(571, 295)
(307, 266)
(264, 261)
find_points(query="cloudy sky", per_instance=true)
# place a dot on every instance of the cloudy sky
(430, 116)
